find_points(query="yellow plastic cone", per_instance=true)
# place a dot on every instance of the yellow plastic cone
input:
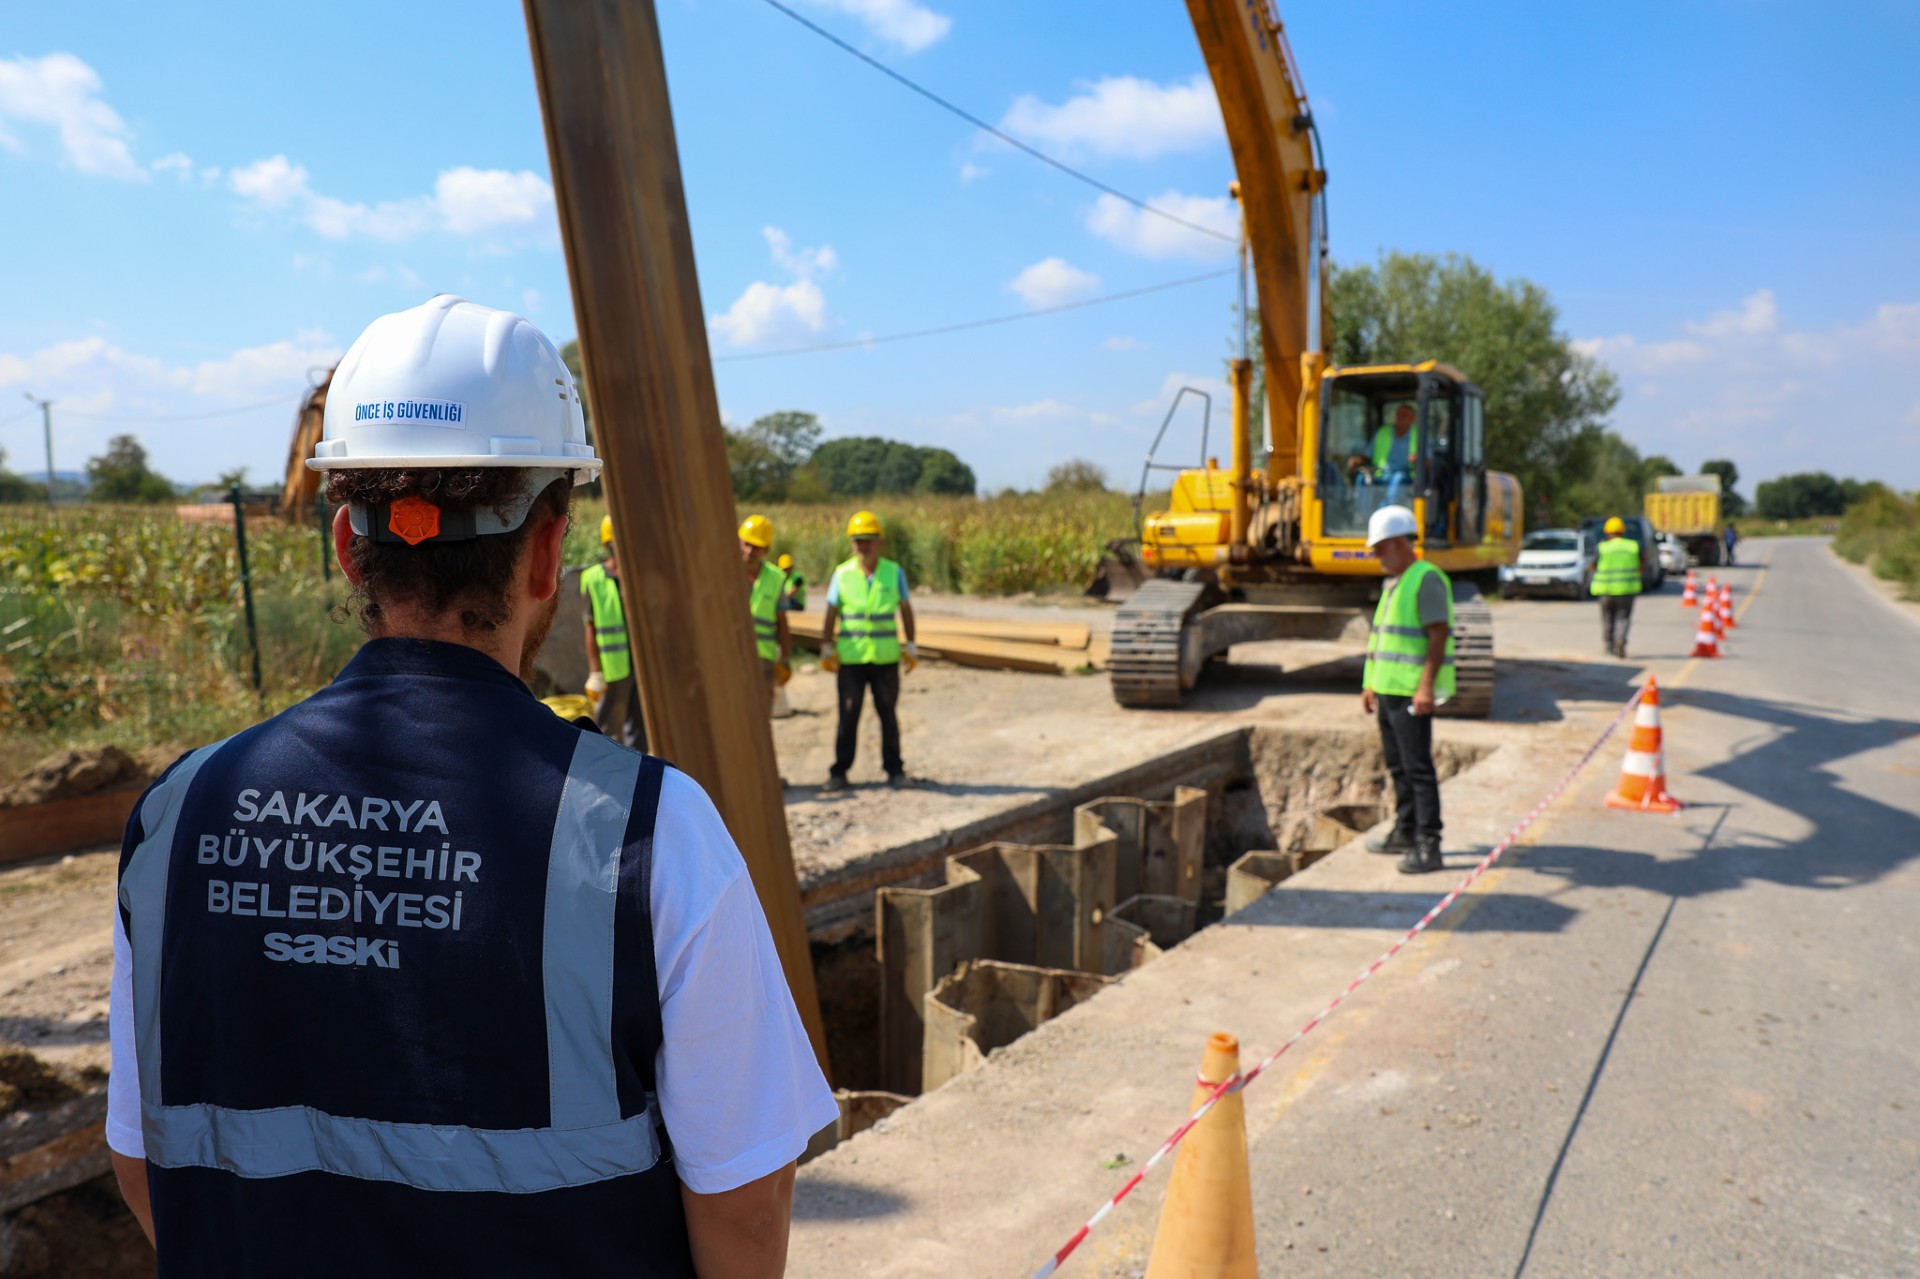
(1206, 1221)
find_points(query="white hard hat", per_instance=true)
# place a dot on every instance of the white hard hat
(451, 383)
(1390, 521)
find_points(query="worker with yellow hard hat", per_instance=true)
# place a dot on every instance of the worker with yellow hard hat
(610, 683)
(860, 643)
(766, 588)
(796, 584)
(1616, 580)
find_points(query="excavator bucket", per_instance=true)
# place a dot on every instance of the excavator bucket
(1120, 573)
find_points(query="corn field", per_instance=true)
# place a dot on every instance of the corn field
(124, 624)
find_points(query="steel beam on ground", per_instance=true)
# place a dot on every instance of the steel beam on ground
(649, 381)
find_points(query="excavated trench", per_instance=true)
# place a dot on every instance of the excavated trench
(1003, 936)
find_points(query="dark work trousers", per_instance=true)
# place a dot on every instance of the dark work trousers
(854, 681)
(1616, 617)
(619, 714)
(1406, 740)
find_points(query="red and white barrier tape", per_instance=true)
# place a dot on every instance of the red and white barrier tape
(1246, 1077)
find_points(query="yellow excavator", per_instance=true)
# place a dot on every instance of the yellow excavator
(1278, 550)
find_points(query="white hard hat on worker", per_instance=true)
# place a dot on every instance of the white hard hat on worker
(451, 384)
(1390, 521)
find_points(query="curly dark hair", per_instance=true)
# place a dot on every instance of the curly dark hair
(473, 576)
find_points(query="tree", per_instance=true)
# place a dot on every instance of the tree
(1731, 503)
(1808, 495)
(122, 475)
(861, 465)
(236, 478)
(1076, 476)
(765, 456)
(570, 356)
(1546, 399)
(17, 488)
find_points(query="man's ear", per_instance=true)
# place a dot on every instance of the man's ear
(342, 539)
(544, 557)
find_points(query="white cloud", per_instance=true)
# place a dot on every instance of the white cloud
(971, 172)
(257, 372)
(804, 263)
(61, 91)
(1050, 410)
(479, 201)
(1124, 343)
(1152, 236)
(1123, 116)
(1744, 383)
(771, 314)
(1053, 282)
(466, 202)
(903, 23)
(177, 162)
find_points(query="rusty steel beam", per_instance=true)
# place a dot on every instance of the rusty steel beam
(643, 343)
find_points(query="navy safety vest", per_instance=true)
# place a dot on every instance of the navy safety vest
(394, 992)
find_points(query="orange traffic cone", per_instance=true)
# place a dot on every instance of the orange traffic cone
(1691, 596)
(1726, 608)
(1713, 586)
(1643, 776)
(1706, 640)
(1206, 1221)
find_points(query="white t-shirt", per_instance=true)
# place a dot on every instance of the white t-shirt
(740, 1090)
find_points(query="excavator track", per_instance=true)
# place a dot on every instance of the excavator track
(1472, 656)
(1147, 635)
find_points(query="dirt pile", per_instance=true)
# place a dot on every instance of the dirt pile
(83, 1233)
(26, 1080)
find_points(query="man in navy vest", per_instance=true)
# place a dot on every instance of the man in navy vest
(417, 978)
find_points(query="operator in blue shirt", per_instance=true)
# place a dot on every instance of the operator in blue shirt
(418, 978)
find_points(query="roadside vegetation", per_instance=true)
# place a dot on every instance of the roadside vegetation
(1882, 531)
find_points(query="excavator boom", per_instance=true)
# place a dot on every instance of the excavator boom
(1276, 154)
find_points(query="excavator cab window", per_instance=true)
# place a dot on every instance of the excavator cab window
(1367, 459)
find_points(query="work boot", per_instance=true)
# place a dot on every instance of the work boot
(1397, 840)
(835, 783)
(1423, 857)
(899, 781)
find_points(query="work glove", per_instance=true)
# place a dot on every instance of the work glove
(912, 658)
(782, 672)
(830, 661)
(596, 687)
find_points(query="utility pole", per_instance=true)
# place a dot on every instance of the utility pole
(656, 415)
(46, 421)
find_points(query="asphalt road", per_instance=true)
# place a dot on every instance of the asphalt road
(1704, 1061)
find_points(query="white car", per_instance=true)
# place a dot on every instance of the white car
(1556, 561)
(1673, 554)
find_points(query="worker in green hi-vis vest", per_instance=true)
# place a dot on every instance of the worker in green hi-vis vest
(1409, 672)
(610, 682)
(1616, 580)
(864, 595)
(766, 592)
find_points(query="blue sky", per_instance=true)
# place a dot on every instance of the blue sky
(200, 204)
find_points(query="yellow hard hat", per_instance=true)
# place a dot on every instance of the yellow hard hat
(757, 530)
(784, 563)
(1615, 525)
(863, 524)
(606, 530)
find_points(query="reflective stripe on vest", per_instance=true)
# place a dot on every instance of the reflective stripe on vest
(868, 634)
(1618, 572)
(602, 590)
(1383, 447)
(1397, 644)
(586, 1140)
(764, 602)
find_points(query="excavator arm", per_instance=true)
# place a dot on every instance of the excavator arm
(1276, 153)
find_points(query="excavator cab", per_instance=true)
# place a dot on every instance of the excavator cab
(1411, 436)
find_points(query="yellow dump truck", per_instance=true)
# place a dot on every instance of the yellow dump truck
(1688, 506)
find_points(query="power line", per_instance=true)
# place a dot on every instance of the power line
(17, 416)
(184, 417)
(984, 127)
(853, 343)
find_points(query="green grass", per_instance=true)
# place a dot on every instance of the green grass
(1883, 533)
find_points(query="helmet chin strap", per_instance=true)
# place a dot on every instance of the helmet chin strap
(377, 522)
